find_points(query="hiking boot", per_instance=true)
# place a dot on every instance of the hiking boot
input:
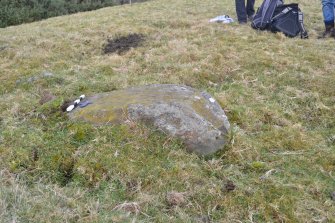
(329, 32)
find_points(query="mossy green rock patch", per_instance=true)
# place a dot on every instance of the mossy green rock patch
(179, 111)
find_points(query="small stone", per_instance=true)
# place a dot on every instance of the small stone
(31, 79)
(333, 195)
(175, 198)
(47, 74)
(203, 219)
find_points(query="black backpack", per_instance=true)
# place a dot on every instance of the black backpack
(274, 16)
(264, 14)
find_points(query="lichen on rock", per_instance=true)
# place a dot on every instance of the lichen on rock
(178, 110)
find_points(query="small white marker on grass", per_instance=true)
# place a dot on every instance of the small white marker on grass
(76, 102)
(212, 100)
(70, 108)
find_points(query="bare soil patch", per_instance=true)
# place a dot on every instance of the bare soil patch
(123, 44)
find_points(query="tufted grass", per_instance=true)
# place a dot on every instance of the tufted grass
(278, 93)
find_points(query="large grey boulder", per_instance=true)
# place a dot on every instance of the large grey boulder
(179, 111)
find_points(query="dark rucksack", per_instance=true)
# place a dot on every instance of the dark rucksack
(264, 14)
(274, 16)
(289, 20)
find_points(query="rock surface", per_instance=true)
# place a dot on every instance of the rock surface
(177, 110)
(44, 74)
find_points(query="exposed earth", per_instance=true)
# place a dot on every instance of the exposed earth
(123, 44)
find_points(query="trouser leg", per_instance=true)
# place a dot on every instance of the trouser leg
(328, 11)
(328, 18)
(241, 11)
(250, 7)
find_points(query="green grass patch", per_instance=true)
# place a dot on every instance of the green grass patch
(278, 94)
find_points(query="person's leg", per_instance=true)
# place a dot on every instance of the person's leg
(328, 11)
(241, 11)
(250, 8)
(328, 17)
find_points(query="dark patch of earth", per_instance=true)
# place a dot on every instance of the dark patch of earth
(123, 44)
(229, 186)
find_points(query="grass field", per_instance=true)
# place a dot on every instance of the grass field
(278, 93)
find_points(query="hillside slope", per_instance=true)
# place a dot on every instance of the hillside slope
(278, 93)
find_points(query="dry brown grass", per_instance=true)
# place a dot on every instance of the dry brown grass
(278, 93)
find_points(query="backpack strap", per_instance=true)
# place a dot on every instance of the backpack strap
(286, 10)
(303, 32)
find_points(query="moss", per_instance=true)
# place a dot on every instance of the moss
(66, 170)
(290, 78)
(200, 107)
(52, 106)
(258, 165)
(81, 133)
(235, 116)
